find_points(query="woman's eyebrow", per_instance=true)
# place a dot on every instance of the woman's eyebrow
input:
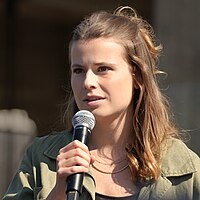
(104, 63)
(76, 65)
(95, 64)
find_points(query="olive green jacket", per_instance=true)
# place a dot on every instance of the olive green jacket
(179, 180)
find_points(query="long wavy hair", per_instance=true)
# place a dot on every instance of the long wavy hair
(152, 122)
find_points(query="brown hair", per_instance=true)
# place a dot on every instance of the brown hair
(151, 121)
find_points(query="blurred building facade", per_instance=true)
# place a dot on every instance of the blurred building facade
(178, 28)
(34, 60)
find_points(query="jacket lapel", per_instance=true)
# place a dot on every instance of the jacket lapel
(177, 159)
(52, 151)
(176, 162)
(60, 140)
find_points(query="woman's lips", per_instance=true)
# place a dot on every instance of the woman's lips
(93, 100)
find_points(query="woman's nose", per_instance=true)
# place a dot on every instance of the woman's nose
(90, 81)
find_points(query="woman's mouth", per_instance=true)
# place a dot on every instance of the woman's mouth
(93, 100)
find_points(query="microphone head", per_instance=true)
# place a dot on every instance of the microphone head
(84, 118)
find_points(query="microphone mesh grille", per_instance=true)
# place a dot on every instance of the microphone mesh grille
(84, 118)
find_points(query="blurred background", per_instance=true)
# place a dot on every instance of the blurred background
(33, 66)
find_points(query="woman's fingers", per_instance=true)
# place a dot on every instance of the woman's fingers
(67, 171)
(73, 145)
(73, 158)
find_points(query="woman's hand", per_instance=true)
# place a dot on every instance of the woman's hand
(73, 158)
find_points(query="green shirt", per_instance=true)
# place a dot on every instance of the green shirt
(36, 176)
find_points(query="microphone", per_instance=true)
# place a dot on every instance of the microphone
(83, 123)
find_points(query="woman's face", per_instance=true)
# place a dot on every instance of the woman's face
(101, 79)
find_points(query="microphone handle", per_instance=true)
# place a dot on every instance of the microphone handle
(82, 134)
(75, 181)
(72, 195)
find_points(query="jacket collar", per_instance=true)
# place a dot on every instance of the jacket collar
(177, 159)
(59, 140)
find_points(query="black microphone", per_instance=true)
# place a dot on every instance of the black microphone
(83, 123)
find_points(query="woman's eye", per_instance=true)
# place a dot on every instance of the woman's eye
(103, 69)
(77, 70)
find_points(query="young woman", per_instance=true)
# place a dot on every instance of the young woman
(134, 151)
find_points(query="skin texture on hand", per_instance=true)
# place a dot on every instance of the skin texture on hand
(73, 158)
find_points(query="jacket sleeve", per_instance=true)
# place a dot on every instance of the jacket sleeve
(22, 184)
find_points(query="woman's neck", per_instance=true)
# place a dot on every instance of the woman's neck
(111, 135)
